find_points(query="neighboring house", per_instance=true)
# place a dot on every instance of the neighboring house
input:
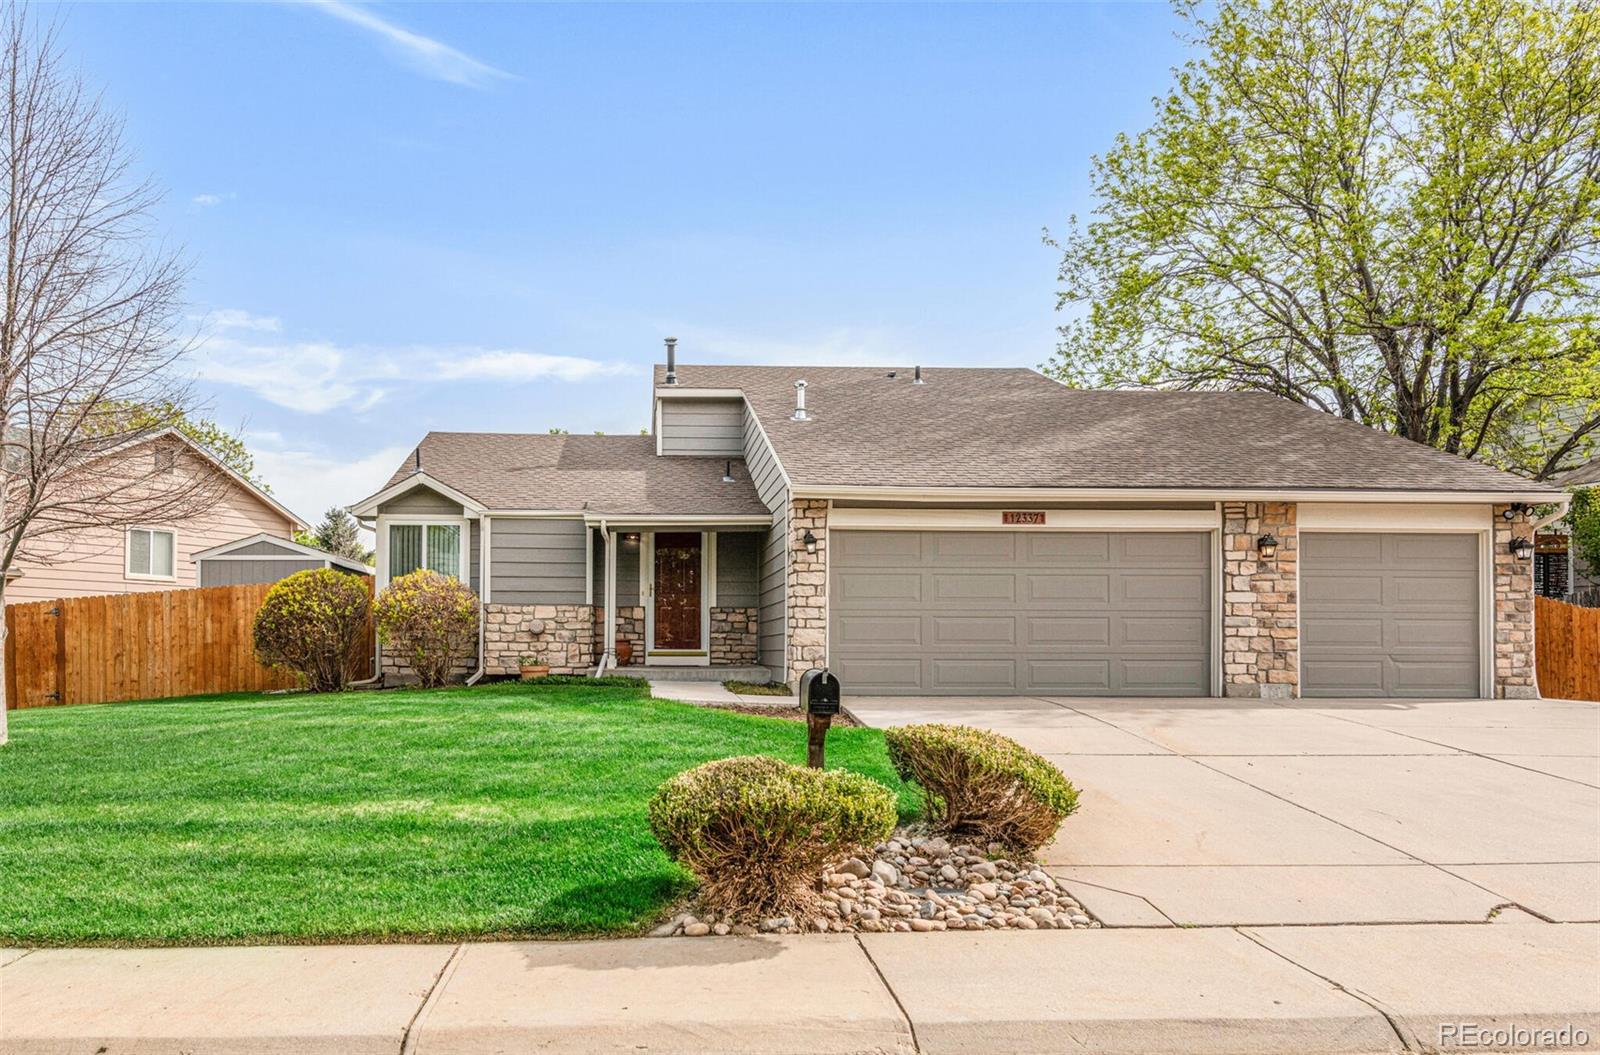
(982, 531)
(1558, 571)
(156, 556)
(265, 558)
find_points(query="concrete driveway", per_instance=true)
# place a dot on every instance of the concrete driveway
(1239, 812)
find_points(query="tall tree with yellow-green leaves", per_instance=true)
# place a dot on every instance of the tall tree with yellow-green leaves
(1388, 210)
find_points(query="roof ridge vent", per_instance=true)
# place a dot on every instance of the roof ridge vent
(800, 402)
(672, 360)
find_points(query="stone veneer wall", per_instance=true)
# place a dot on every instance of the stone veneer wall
(558, 635)
(735, 636)
(1514, 666)
(807, 603)
(630, 628)
(1261, 611)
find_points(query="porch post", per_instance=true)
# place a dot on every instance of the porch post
(610, 636)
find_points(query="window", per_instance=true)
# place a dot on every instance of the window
(433, 546)
(152, 553)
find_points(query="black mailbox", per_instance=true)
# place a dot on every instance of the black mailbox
(819, 693)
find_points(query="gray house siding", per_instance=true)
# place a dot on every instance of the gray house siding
(738, 569)
(702, 426)
(627, 570)
(774, 557)
(537, 561)
(237, 572)
(421, 501)
(475, 555)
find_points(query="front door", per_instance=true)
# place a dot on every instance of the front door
(678, 586)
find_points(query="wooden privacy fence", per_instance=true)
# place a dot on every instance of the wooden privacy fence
(139, 646)
(1568, 643)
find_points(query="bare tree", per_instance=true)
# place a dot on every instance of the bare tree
(88, 334)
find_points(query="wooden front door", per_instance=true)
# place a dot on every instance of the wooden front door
(678, 591)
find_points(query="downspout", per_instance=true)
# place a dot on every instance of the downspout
(377, 646)
(609, 626)
(483, 590)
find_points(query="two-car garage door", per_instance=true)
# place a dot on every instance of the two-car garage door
(979, 612)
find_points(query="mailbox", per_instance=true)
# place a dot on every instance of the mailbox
(819, 693)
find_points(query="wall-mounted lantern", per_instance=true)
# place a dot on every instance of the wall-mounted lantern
(1267, 546)
(810, 540)
(1521, 548)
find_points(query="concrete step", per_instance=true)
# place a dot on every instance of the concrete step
(756, 675)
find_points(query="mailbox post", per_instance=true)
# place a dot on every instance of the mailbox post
(819, 698)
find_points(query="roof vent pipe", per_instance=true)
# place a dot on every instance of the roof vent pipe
(916, 378)
(727, 472)
(418, 469)
(672, 360)
(800, 402)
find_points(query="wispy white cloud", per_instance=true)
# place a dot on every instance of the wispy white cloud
(423, 55)
(248, 351)
(208, 201)
(309, 478)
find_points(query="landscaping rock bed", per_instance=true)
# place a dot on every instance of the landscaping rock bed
(914, 882)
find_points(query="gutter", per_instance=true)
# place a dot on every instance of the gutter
(1191, 494)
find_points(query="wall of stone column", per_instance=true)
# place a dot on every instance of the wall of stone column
(807, 588)
(1515, 672)
(1261, 609)
(630, 628)
(561, 636)
(735, 634)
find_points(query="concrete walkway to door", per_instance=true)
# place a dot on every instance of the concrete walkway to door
(1204, 812)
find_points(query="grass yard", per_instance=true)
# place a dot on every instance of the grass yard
(499, 810)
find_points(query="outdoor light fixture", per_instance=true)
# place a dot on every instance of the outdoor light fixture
(810, 540)
(1514, 510)
(1268, 545)
(1522, 548)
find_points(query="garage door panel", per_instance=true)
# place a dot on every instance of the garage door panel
(1069, 632)
(1041, 612)
(959, 631)
(1080, 588)
(966, 588)
(878, 630)
(1077, 547)
(879, 549)
(1070, 676)
(1389, 614)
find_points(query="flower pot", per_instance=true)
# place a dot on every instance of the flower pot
(533, 671)
(624, 653)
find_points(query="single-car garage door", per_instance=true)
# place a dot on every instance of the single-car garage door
(1388, 614)
(996, 612)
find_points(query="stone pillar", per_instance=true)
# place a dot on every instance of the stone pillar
(807, 604)
(734, 640)
(1515, 675)
(1261, 611)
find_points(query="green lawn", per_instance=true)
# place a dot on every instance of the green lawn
(498, 810)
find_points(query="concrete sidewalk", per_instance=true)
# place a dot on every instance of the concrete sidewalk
(1353, 989)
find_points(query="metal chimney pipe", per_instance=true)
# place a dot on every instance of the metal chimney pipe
(672, 360)
(916, 378)
(800, 402)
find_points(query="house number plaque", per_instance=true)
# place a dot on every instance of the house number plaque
(1016, 516)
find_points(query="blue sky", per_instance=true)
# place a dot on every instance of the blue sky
(460, 216)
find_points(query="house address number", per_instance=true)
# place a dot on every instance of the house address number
(1018, 516)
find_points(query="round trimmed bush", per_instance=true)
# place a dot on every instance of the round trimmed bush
(982, 786)
(430, 621)
(757, 832)
(314, 623)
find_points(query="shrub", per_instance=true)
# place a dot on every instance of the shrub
(314, 623)
(757, 832)
(430, 620)
(982, 786)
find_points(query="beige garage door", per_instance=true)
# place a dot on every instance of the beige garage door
(1056, 613)
(1388, 614)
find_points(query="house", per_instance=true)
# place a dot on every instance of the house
(262, 558)
(154, 556)
(982, 531)
(1558, 570)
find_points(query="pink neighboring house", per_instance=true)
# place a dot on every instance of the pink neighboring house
(157, 556)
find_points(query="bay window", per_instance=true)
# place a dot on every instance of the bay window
(438, 547)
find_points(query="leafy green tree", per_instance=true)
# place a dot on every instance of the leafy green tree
(226, 446)
(1584, 518)
(1385, 209)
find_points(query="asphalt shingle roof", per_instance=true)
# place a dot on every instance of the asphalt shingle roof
(1017, 428)
(618, 475)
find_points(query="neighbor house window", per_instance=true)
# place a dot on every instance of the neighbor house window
(152, 553)
(433, 546)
